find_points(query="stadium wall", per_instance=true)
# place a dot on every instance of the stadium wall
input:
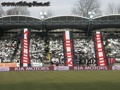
(60, 68)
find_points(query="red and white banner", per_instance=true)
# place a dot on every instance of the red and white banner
(61, 67)
(68, 48)
(25, 59)
(99, 50)
(111, 61)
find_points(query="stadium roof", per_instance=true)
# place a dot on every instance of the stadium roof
(19, 21)
(72, 22)
(109, 21)
(59, 22)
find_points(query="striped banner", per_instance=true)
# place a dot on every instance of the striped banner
(99, 50)
(68, 48)
(25, 40)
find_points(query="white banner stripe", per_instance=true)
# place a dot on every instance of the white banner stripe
(67, 33)
(25, 65)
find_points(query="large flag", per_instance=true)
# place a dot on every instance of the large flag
(101, 59)
(25, 41)
(68, 48)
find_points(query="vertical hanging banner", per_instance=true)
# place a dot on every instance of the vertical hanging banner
(99, 50)
(25, 41)
(68, 48)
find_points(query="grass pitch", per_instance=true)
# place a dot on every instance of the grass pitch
(60, 80)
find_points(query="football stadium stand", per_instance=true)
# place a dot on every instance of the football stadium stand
(47, 40)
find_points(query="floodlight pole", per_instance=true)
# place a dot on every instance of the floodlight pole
(91, 16)
(46, 37)
(43, 15)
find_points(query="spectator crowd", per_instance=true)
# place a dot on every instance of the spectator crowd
(84, 53)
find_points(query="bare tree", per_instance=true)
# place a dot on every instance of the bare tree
(49, 13)
(118, 9)
(2, 13)
(112, 8)
(18, 11)
(83, 7)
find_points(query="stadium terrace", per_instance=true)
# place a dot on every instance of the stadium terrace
(79, 41)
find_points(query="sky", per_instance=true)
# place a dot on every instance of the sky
(59, 7)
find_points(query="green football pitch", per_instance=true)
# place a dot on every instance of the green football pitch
(60, 80)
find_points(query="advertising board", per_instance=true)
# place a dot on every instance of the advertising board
(61, 67)
(31, 68)
(117, 67)
(4, 69)
(8, 64)
(92, 68)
